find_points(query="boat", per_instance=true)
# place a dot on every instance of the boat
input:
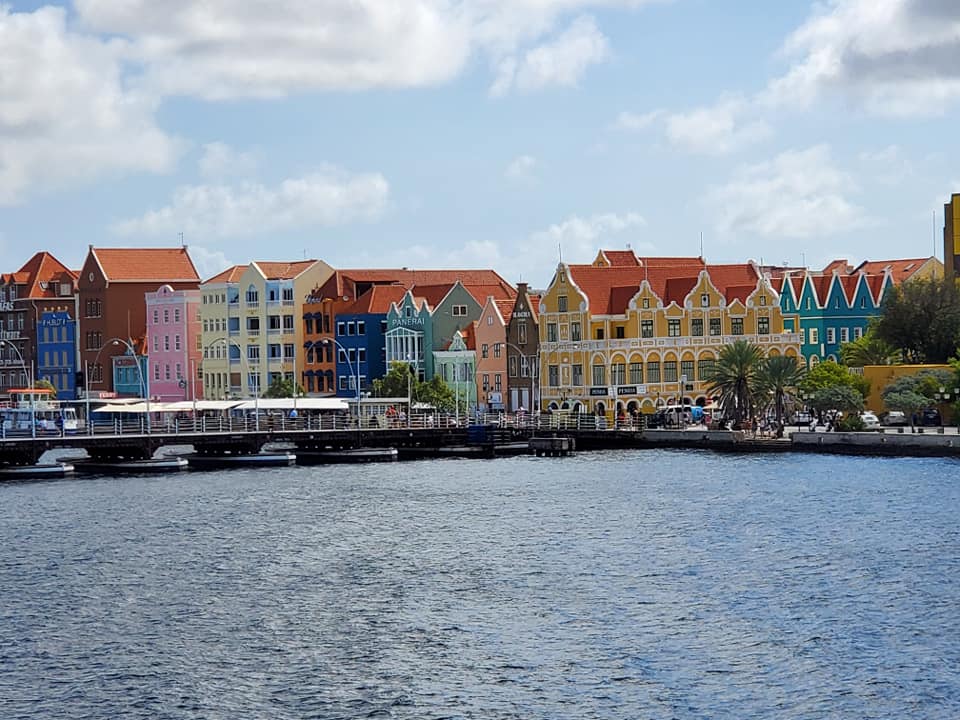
(254, 460)
(151, 465)
(30, 472)
(347, 455)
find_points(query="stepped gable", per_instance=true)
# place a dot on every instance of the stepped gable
(137, 265)
(900, 269)
(230, 275)
(41, 275)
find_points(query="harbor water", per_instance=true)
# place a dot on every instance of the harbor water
(639, 584)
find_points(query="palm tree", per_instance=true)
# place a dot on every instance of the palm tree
(868, 350)
(734, 377)
(778, 378)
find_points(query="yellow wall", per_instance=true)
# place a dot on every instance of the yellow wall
(882, 375)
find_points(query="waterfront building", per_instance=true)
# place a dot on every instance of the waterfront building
(951, 237)
(269, 328)
(129, 371)
(457, 365)
(222, 366)
(174, 340)
(630, 334)
(112, 302)
(490, 338)
(409, 335)
(38, 312)
(523, 349)
(360, 329)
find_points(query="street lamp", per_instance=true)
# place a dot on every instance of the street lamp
(33, 405)
(143, 383)
(944, 396)
(256, 385)
(356, 379)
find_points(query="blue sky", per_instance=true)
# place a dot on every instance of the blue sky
(478, 133)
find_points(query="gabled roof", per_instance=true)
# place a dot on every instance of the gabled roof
(848, 283)
(900, 269)
(505, 308)
(41, 276)
(876, 284)
(738, 292)
(230, 275)
(677, 289)
(842, 266)
(283, 270)
(146, 264)
(469, 334)
(821, 288)
(375, 301)
(616, 258)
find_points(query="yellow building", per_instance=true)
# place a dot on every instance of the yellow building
(882, 375)
(951, 236)
(252, 325)
(631, 334)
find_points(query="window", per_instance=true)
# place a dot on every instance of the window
(522, 332)
(620, 332)
(497, 383)
(857, 333)
(156, 343)
(653, 371)
(361, 327)
(831, 336)
(561, 303)
(763, 300)
(524, 366)
(459, 310)
(636, 373)
(486, 382)
(496, 350)
(253, 326)
(645, 303)
(577, 376)
(600, 333)
(273, 323)
(166, 371)
(814, 335)
(273, 351)
(156, 317)
(179, 371)
(553, 375)
(673, 328)
(156, 372)
(646, 328)
(288, 323)
(763, 326)
(342, 328)
(512, 366)
(253, 353)
(599, 375)
(551, 332)
(287, 294)
(808, 303)
(176, 342)
(705, 300)
(253, 297)
(696, 327)
(166, 342)
(618, 374)
(686, 369)
(715, 327)
(863, 303)
(484, 350)
(575, 332)
(705, 367)
(669, 370)
(844, 335)
(308, 325)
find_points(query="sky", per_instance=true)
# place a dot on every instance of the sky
(478, 133)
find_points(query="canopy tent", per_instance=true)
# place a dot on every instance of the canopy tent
(288, 404)
(137, 407)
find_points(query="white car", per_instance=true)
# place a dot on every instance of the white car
(870, 421)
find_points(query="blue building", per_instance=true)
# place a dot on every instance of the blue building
(57, 353)
(360, 328)
(127, 380)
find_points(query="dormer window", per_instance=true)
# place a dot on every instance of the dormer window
(705, 300)
(646, 303)
(763, 300)
(561, 303)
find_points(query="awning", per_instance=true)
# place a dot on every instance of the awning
(287, 404)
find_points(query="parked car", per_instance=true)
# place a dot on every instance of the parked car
(894, 418)
(870, 421)
(930, 417)
(802, 418)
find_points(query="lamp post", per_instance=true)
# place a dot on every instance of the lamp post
(143, 383)
(356, 380)
(33, 404)
(943, 397)
(256, 394)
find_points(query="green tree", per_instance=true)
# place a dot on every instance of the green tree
(836, 397)
(45, 384)
(734, 377)
(870, 349)
(778, 378)
(922, 319)
(912, 393)
(438, 394)
(399, 380)
(830, 374)
(282, 387)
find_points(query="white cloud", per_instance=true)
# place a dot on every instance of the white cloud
(635, 122)
(562, 61)
(580, 238)
(899, 57)
(219, 160)
(521, 169)
(328, 197)
(717, 130)
(65, 114)
(208, 262)
(798, 194)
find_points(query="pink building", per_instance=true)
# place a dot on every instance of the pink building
(490, 331)
(173, 344)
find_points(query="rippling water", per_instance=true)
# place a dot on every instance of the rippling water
(635, 585)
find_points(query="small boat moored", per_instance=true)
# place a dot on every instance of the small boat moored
(32, 472)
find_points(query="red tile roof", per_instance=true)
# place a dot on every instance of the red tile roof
(230, 275)
(470, 335)
(849, 285)
(284, 270)
(841, 266)
(676, 289)
(900, 269)
(375, 301)
(821, 288)
(738, 292)
(41, 276)
(620, 258)
(146, 264)
(506, 309)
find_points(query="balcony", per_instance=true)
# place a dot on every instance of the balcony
(668, 342)
(252, 332)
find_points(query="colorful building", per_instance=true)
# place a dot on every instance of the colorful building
(409, 335)
(523, 350)
(457, 365)
(490, 333)
(951, 237)
(222, 366)
(629, 334)
(361, 329)
(175, 369)
(42, 287)
(129, 371)
(113, 285)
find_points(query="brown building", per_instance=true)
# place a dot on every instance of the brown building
(112, 304)
(523, 348)
(42, 285)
